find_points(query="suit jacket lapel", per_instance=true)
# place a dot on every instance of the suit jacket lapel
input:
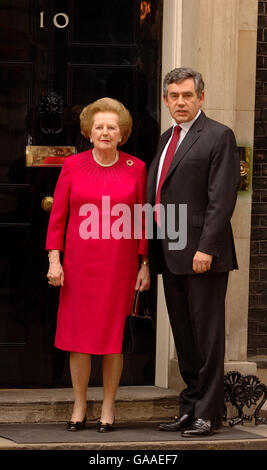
(153, 171)
(191, 137)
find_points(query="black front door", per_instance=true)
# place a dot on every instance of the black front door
(56, 57)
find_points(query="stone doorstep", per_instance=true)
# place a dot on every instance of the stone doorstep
(180, 446)
(136, 403)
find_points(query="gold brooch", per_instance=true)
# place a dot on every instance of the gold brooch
(129, 162)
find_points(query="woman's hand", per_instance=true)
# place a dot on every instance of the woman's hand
(143, 278)
(55, 272)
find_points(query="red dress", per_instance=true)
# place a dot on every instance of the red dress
(99, 271)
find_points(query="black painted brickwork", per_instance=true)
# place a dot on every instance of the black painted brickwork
(257, 328)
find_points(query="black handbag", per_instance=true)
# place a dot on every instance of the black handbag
(139, 331)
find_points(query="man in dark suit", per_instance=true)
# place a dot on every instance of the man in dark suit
(197, 166)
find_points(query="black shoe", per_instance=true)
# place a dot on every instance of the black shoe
(76, 426)
(105, 427)
(178, 425)
(199, 427)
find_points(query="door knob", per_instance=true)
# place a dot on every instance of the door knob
(47, 203)
(244, 168)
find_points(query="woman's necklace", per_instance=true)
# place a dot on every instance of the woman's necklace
(106, 164)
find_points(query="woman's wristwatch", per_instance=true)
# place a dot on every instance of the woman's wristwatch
(145, 262)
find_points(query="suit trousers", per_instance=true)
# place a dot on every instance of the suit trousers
(196, 308)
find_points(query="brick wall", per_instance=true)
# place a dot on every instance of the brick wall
(257, 328)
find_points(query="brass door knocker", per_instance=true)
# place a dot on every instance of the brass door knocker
(51, 108)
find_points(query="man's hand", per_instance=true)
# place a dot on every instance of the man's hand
(201, 262)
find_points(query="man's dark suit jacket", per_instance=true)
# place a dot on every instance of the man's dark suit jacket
(204, 175)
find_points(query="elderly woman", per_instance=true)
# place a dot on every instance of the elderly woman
(102, 265)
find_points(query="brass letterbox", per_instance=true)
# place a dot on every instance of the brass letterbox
(42, 155)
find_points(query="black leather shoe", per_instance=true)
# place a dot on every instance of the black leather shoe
(199, 427)
(76, 426)
(105, 427)
(178, 425)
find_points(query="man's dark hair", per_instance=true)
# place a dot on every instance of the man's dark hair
(180, 74)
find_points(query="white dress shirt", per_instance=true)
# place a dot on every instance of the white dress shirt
(185, 126)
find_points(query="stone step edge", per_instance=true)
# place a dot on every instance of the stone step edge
(55, 405)
(242, 444)
(65, 395)
(133, 403)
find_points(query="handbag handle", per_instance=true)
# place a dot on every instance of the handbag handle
(135, 301)
(134, 307)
